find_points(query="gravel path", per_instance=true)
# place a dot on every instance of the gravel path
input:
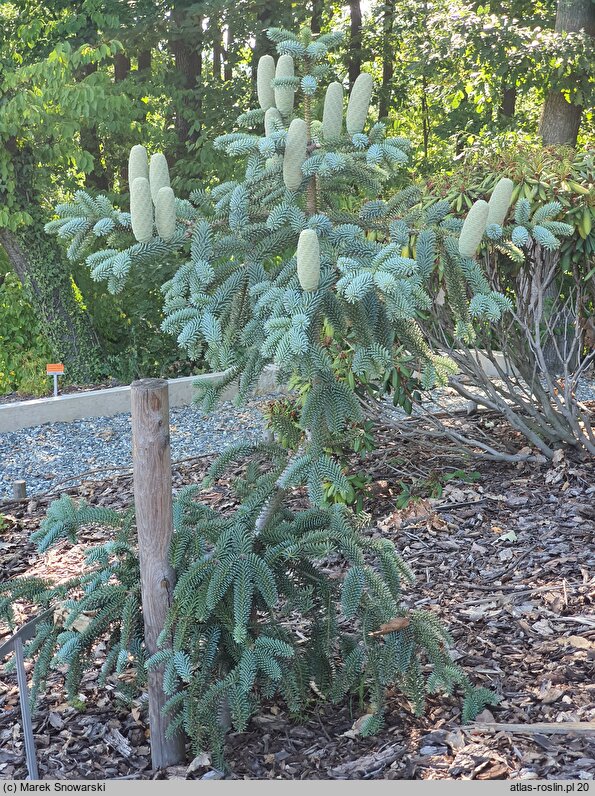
(447, 398)
(45, 455)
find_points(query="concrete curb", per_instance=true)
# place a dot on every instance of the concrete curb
(489, 367)
(116, 400)
(112, 401)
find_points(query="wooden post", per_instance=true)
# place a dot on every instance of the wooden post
(19, 490)
(151, 462)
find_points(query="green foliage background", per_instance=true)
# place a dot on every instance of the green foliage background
(24, 350)
(82, 81)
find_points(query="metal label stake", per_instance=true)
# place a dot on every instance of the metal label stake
(15, 644)
(55, 369)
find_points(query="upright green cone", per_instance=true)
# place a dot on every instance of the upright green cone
(284, 94)
(158, 174)
(308, 260)
(332, 115)
(473, 229)
(500, 202)
(359, 103)
(165, 213)
(295, 154)
(138, 163)
(141, 210)
(272, 120)
(264, 76)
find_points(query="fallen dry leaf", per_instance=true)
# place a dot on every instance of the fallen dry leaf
(496, 769)
(580, 642)
(485, 717)
(356, 727)
(436, 522)
(398, 623)
(543, 628)
(551, 695)
(200, 761)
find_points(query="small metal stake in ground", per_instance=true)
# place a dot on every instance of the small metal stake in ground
(56, 369)
(151, 466)
(15, 644)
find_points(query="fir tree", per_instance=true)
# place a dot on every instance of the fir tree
(302, 247)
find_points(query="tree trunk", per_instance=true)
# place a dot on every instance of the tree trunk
(560, 120)
(228, 59)
(461, 136)
(121, 67)
(262, 43)
(355, 40)
(187, 52)
(96, 180)
(316, 20)
(121, 72)
(227, 65)
(388, 64)
(425, 114)
(39, 264)
(508, 102)
(217, 47)
(144, 61)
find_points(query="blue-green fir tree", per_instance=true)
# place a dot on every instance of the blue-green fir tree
(301, 248)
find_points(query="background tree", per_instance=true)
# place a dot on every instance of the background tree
(450, 75)
(563, 108)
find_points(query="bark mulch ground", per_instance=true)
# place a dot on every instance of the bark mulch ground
(506, 561)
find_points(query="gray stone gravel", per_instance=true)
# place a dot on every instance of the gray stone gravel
(45, 455)
(448, 398)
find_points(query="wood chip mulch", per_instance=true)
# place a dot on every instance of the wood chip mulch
(505, 561)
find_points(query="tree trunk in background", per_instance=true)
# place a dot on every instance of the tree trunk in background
(560, 120)
(388, 64)
(144, 61)
(227, 65)
(461, 136)
(121, 67)
(217, 47)
(355, 40)
(508, 102)
(425, 115)
(97, 180)
(228, 52)
(316, 21)
(39, 264)
(187, 52)
(262, 45)
(121, 72)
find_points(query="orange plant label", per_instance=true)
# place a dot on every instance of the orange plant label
(55, 368)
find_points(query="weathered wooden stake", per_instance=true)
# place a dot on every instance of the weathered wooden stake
(151, 461)
(19, 490)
